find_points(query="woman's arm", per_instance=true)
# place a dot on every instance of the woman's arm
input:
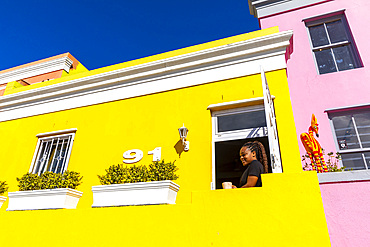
(251, 182)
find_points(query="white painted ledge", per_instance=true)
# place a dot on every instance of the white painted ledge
(346, 176)
(263, 8)
(64, 63)
(43, 199)
(144, 193)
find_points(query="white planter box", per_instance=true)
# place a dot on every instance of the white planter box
(2, 200)
(145, 193)
(43, 199)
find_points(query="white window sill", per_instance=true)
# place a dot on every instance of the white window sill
(346, 176)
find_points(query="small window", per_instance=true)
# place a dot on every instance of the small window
(53, 151)
(352, 131)
(332, 44)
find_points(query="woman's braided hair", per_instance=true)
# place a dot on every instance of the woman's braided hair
(261, 156)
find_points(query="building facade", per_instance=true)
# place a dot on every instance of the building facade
(100, 115)
(328, 76)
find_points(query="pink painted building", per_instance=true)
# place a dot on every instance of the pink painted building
(328, 75)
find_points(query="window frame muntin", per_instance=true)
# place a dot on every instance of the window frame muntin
(51, 136)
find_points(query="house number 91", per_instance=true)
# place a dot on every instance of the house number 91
(135, 155)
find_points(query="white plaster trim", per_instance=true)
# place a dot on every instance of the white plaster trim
(144, 193)
(64, 63)
(43, 199)
(58, 132)
(346, 176)
(237, 103)
(346, 107)
(220, 63)
(332, 13)
(263, 8)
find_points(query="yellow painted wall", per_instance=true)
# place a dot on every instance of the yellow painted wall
(283, 209)
(286, 211)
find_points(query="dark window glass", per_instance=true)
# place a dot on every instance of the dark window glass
(325, 61)
(345, 130)
(239, 121)
(353, 161)
(318, 35)
(336, 31)
(343, 57)
(363, 127)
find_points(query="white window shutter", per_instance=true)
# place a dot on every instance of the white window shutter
(271, 126)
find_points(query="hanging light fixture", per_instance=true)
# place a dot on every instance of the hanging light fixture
(183, 131)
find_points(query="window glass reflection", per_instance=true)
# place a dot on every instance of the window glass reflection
(318, 35)
(353, 161)
(325, 61)
(239, 121)
(345, 131)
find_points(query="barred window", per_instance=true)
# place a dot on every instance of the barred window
(53, 151)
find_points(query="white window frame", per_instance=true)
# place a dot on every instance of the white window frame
(348, 151)
(350, 42)
(233, 108)
(53, 136)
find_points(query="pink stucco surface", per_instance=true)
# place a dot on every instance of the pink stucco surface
(347, 213)
(311, 92)
(346, 205)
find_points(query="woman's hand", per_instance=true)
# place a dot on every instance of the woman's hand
(234, 187)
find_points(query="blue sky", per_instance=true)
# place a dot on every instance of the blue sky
(104, 32)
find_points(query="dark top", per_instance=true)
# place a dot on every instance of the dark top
(255, 168)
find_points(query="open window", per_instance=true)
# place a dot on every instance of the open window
(231, 129)
(52, 152)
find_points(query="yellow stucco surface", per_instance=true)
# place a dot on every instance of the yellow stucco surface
(286, 211)
(281, 211)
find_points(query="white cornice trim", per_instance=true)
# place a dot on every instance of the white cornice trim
(219, 63)
(347, 107)
(263, 8)
(236, 104)
(58, 132)
(64, 63)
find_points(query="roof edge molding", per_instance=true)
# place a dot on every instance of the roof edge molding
(64, 63)
(195, 68)
(263, 8)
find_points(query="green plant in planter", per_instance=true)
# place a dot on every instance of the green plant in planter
(3, 187)
(157, 171)
(49, 180)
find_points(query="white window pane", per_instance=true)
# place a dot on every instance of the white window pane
(363, 127)
(336, 31)
(345, 131)
(343, 57)
(239, 121)
(325, 61)
(353, 161)
(318, 35)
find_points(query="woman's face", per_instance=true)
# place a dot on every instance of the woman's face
(246, 156)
